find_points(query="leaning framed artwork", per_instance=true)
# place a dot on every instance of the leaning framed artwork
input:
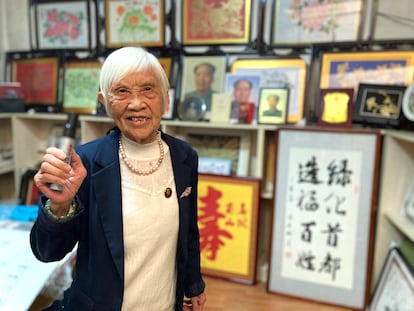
(395, 288)
(81, 86)
(216, 22)
(305, 22)
(378, 104)
(39, 79)
(326, 183)
(63, 25)
(138, 22)
(347, 70)
(228, 224)
(279, 73)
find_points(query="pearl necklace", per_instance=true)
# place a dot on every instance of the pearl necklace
(135, 170)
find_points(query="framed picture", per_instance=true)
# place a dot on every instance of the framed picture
(201, 77)
(305, 22)
(139, 22)
(63, 25)
(216, 22)
(390, 21)
(395, 288)
(228, 215)
(39, 79)
(323, 223)
(408, 103)
(378, 104)
(273, 105)
(243, 89)
(170, 107)
(166, 63)
(335, 107)
(234, 145)
(348, 70)
(81, 86)
(279, 73)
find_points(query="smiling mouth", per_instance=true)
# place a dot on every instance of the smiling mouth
(137, 119)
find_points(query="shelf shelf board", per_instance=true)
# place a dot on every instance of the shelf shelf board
(401, 223)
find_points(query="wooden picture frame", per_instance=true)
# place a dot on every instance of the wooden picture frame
(206, 73)
(336, 107)
(166, 63)
(395, 287)
(273, 106)
(279, 73)
(135, 22)
(378, 104)
(334, 22)
(228, 215)
(349, 69)
(39, 79)
(234, 145)
(216, 23)
(323, 219)
(63, 25)
(81, 86)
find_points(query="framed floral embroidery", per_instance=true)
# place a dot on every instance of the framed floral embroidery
(63, 25)
(134, 22)
(310, 21)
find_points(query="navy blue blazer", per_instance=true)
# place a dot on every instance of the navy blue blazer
(97, 228)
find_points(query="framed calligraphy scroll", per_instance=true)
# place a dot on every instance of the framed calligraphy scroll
(228, 215)
(323, 214)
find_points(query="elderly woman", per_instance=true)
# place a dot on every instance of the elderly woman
(129, 200)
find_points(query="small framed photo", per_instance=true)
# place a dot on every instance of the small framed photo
(395, 288)
(378, 104)
(81, 86)
(216, 22)
(138, 22)
(39, 79)
(63, 25)
(335, 107)
(228, 221)
(273, 106)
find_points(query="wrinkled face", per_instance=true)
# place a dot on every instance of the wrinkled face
(136, 104)
(203, 78)
(242, 92)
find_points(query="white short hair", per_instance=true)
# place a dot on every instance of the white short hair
(124, 61)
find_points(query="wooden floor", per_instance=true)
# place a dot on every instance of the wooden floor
(223, 295)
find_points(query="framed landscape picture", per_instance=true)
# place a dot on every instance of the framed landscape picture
(228, 222)
(326, 182)
(216, 22)
(134, 22)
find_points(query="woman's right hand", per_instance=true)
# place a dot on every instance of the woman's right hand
(53, 169)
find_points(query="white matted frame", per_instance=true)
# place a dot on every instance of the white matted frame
(395, 288)
(326, 182)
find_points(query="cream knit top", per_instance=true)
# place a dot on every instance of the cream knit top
(150, 227)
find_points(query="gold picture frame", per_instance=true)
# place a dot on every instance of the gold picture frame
(279, 73)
